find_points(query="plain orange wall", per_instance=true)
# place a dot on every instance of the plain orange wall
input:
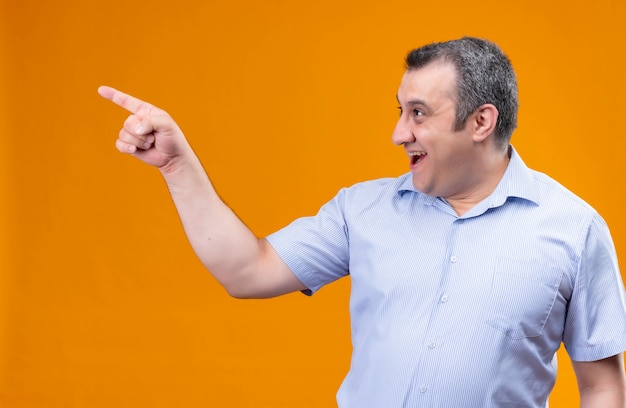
(103, 303)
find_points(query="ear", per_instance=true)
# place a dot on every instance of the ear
(484, 122)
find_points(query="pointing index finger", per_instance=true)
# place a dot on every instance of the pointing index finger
(128, 102)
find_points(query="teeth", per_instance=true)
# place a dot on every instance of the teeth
(416, 156)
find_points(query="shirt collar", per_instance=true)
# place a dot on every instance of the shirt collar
(517, 182)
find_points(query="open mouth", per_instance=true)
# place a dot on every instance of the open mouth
(416, 157)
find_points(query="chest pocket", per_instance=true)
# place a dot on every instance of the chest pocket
(522, 296)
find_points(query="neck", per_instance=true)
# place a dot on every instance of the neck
(494, 168)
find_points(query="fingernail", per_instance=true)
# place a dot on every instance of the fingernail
(139, 128)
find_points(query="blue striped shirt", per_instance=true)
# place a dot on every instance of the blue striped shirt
(469, 311)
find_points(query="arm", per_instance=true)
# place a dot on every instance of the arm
(601, 383)
(245, 265)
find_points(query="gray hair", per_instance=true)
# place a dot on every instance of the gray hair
(484, 75)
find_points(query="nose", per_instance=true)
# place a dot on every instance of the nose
(402, 133)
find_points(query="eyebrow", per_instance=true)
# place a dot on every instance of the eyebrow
(414, 102)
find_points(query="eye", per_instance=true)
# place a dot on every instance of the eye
(416, 112)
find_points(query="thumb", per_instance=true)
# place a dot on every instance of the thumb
(144, 127)
(156, 120)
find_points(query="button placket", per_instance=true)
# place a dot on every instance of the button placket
(434, 338)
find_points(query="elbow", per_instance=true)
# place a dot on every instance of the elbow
(239, 294)
(235, 291)
(239, 291)
(234, 285)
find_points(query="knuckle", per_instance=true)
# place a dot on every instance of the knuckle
(130, 122)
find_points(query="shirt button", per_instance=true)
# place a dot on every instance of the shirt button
(444, 298)
(423, 389)
(431, 345)
(453, 258)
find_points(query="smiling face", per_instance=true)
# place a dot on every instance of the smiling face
(443, 161)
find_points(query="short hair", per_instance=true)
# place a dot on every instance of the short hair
(484, 75)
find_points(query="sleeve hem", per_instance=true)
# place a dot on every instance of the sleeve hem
(597, 352)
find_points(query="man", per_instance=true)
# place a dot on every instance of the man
(467, 272)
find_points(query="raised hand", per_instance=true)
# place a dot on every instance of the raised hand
(149, 133)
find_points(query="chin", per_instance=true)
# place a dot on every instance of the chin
(422, 188)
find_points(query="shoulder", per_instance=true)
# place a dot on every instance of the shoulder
(556, 195)
(568, 216)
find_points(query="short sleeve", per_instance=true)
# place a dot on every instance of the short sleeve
(595, 326)
(316, 248)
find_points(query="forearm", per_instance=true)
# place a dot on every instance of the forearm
(224, 245)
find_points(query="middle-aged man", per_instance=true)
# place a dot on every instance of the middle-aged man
(467, 272)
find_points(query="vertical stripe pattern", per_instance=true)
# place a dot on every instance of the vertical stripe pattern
(468, 311)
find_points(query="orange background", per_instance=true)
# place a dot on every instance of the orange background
(103, 303)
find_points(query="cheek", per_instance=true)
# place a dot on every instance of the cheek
(427, 139)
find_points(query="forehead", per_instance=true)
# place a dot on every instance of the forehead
(431, 82)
